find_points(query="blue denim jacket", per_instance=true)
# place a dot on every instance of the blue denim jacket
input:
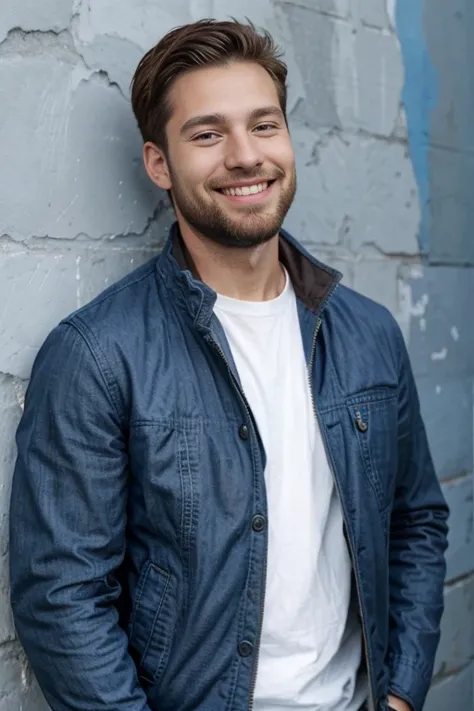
(138, 512)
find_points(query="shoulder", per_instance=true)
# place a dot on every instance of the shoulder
(119, 308)
(373, 323)
(362, 307)
(97, 343)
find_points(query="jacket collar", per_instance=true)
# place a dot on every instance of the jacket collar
(313, 281)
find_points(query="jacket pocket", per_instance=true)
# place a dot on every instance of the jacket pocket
(374, 419)
(153, 621)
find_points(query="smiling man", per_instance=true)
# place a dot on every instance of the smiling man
(224, 497)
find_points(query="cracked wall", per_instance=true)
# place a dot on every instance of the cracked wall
(380, 118)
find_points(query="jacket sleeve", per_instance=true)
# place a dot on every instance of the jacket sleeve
(418, 540)
(67, 531)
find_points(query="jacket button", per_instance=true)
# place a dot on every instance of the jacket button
(258, 523)
(245, 648)
(243, 432)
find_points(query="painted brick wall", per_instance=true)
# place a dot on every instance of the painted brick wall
(381, 108)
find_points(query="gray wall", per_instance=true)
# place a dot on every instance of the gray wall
(382, 125)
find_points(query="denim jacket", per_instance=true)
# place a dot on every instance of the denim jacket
(139, 515)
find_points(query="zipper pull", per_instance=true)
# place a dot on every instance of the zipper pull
(361, 425)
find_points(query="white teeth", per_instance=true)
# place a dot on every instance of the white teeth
(246, 189)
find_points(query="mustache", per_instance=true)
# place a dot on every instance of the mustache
(232, 180)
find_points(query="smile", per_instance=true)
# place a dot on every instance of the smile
(246, 189)
(248, 193)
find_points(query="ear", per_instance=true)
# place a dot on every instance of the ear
(156, 165)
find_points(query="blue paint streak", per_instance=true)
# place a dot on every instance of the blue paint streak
(419, 97)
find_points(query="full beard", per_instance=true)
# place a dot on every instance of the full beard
(252, 228)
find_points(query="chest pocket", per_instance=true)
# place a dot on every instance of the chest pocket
(374, 420)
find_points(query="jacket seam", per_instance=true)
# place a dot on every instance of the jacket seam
(416, 665)
(398, 346)
(115, 290)
(346, 403)
(98, 357)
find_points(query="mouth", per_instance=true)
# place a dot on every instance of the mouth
(248, 193)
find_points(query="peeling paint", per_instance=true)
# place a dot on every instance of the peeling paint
(416, 271)
(440, 355)
(410, 309)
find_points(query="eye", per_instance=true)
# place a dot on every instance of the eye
(266, 127)
(207, 136)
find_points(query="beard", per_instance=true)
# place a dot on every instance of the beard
(252, 226)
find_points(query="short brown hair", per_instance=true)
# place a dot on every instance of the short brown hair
(200, 44)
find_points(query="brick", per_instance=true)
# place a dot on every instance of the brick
(454, 693)
(336, 8)
(313, 37)
(112, 35)
(32, 15)
(377, 279)
(440, 334)
(344, 86)
(372, 102)
(460, 553)
(447, 408)
(87, 177)
(373, 13)
(451, 209)
(353, 191)
(10, 413)
(31, 282)
(448, 25)
(457, 628)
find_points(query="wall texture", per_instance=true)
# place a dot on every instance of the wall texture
(381, 107)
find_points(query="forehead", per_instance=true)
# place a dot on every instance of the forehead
(233, 90)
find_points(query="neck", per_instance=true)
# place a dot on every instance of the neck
(248, 274)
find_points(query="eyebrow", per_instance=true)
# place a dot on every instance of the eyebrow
(220, 119)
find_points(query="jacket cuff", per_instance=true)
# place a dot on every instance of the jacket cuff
(410, 680)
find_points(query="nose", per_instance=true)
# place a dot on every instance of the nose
(243, 152)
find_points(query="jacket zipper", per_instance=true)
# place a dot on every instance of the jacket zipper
(253, 681)
(349, 540)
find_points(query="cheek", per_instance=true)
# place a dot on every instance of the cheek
(199, 166)
(283, 156)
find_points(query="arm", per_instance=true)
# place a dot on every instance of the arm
(67, 531)
(418, 540)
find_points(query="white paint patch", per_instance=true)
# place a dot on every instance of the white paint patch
(419, 308)
(409, 308)
(19, 386)
(439, 390)
(416, 272)
(440, 355)
(455, 333)
(422, 324)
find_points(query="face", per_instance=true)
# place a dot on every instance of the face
(229, 162)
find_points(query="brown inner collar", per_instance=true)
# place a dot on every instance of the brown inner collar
(311, 282)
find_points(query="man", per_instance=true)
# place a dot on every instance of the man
(224, 497)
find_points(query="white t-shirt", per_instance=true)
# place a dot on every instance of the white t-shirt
(310, 649)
